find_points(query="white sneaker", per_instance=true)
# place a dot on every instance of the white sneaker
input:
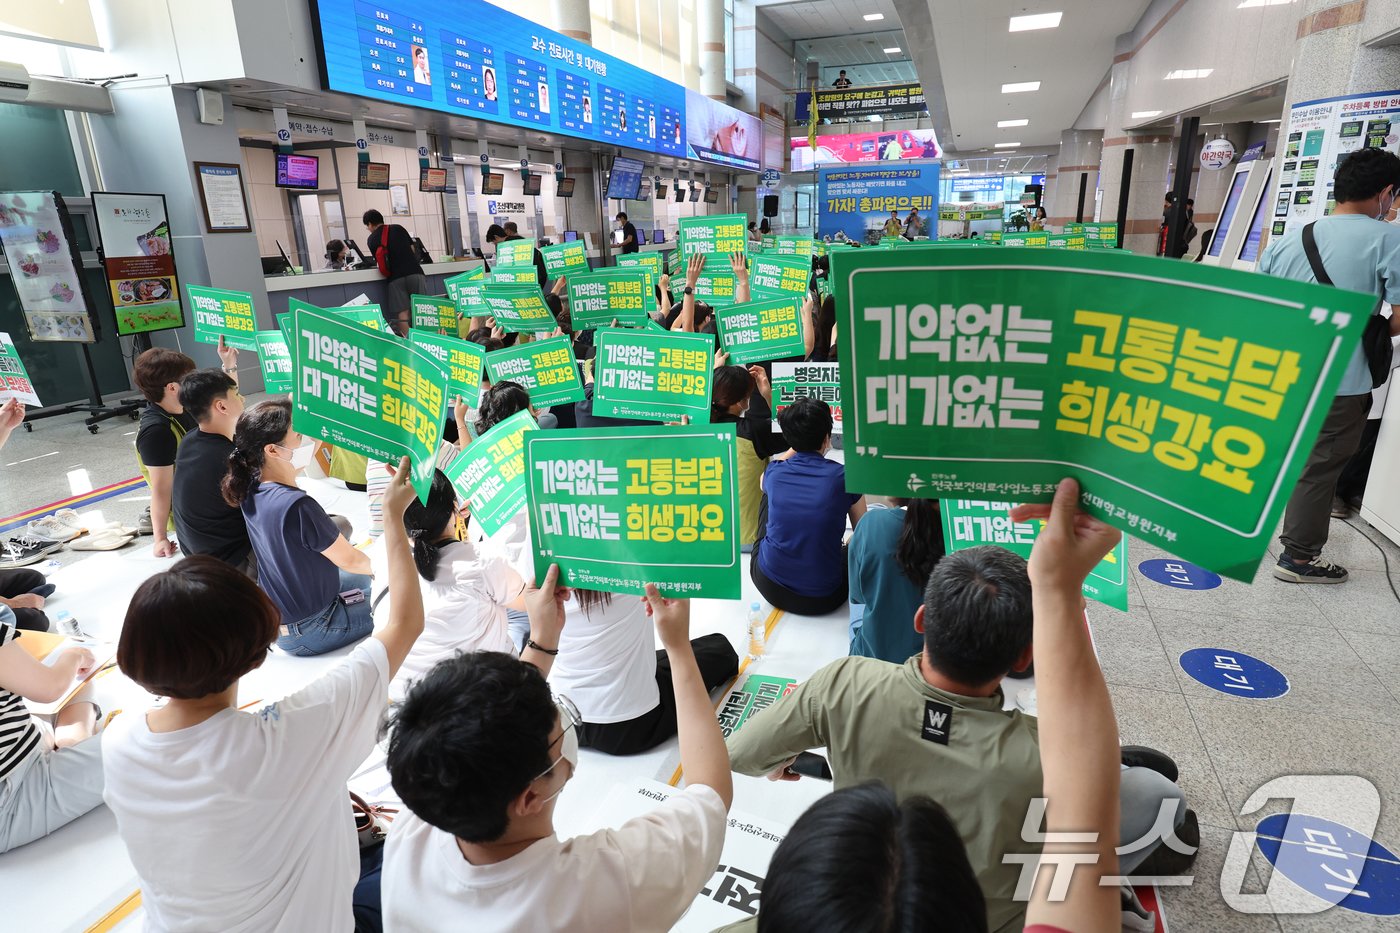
(1136, 918)
(51, 528)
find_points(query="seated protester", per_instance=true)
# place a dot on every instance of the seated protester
(980, 761)
(731, 402)
(797, 562)
(609, 666)
(205, 523)
(889, 558)
(240, 821)
(50, 767)
(479, 753)
(316, 578)
(465, 594)
(822, 340)
(163, 426)
(23, 591)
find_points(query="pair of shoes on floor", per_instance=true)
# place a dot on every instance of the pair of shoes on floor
(66, 525)
(107, 539)
(20, 552)
(1316, 570)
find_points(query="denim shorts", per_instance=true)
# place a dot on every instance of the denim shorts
(335, 626)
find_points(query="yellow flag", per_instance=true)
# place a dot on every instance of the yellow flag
(812, 122)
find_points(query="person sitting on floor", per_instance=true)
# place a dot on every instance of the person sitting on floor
(479, 753)
(797, 562)
(734, 391)
(317, 578)
(936, 725)
(889, 559)
(608, 664)
(236, 821)
(204, 522)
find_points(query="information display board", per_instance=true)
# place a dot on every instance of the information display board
(139, 261)
(36, 233)
(792, 381)
(857, 201)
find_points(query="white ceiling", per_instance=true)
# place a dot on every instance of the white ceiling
(862, 56)
(815, 19)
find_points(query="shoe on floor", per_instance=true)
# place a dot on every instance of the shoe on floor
(1136, 918)
(1164, 860)
(143, 524)
(1317, 570)
(14, 555)
(25, 540)
(1140, 756)
(51, 528)
(1340, 509)
(102, 541)
(43, 591)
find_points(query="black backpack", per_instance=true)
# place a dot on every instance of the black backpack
(1375, 339)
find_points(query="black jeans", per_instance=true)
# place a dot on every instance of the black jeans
(17, 583)
(718, 663)
(1309, 514)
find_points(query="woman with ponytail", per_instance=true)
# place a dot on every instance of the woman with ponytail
(313, 575)
(889, 558)
(731, 395)
(465, 594)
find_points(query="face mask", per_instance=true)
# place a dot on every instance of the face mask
(300, 456)
(568, 748)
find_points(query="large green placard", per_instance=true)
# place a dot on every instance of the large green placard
(716, 283)
(654, 261)
(438, 315)
(514, 275)
(970, 523)
(565, 258)
(792, 246)
(598, 298)
(546, 368)
(276, 360)
(643, 374)
(760, 331)
(774, 276)
(519, 308)
(1026, 238)
(717, 233)
(618, 508)
(756, 695)
(490, 474)
(1101, 236)
(221, 312)
(462, 358)
(454, 284)
(367, 391)
(515, 253)
(1184, 398)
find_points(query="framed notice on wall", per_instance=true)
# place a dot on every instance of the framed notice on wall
(36, 233)
(139, 261)
(222, 196)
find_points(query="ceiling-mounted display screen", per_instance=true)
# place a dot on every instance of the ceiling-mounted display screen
(625, 179)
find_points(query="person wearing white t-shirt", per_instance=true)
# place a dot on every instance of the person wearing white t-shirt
(609, 666)
(479, 752)
(240, 821)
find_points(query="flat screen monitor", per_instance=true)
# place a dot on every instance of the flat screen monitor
(566, 187)
(432, 179)
(641, 238)
(625, 179)
(658, 236)
(297, 171)
(531, 184)
(493, 183)
(1227, 213)
(680, 194)
(694, 194)
(570, 236)
(617, 237)
(274, 265)
(1249, 249)
(711, 196)
(374, 176)
(661, 192)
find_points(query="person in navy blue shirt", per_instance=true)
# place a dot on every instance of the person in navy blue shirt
(798, 564)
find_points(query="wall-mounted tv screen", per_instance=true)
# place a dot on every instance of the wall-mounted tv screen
(432, 179)
(711, 196)
(625, 179)
(374, 176)
(531, 184)
(493, 183)
(680, 194)
(661, 192)
(297, 171)
(566, 187)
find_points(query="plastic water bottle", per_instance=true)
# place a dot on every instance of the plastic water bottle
(758, 633)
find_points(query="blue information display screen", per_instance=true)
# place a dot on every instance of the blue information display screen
(625, 179)
(469, 58)
(1249, 249)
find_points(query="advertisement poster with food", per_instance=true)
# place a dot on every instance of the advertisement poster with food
(36, 234)
(139, 261)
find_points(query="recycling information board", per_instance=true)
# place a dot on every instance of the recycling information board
(649, 375)
(546, 368)
(222, 312)
(489, 474)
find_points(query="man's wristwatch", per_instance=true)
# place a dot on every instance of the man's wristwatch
(689, 290)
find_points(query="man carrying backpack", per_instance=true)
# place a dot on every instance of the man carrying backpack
(392, 249)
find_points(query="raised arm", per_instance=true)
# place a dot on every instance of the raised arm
(545, 606)
(685, 321)
(740, 264)
(809, 325)
(406, 610)
(1079, 752)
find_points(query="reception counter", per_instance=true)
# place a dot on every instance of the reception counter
(331, 289)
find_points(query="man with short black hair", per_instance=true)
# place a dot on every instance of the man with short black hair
(936, 725)
(512, 232)
(163, 424)
(629, 233)
(842, 80)
(205, 523)
(1355, 249)
(392, 249)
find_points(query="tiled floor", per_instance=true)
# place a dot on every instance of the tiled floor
(1338, 645)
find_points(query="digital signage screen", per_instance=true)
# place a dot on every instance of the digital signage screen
(1227, 214)
(432, 179)
(374, 176)
(1249, 249)
(566, 187)
(493, 183)
(295, 171)
(625, 178)
(531, 184)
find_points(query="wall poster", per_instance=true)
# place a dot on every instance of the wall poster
(139, 261)
(36, 233)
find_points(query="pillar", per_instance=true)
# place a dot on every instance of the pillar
(710, 29)
(574, 19)
(1152, 156)
(1081, 151)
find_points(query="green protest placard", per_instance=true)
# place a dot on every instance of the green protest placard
(276, 360)
(717, 233)
(220, 312)
(654, 261)
(546, 368)
(773, 276)
(992, 236)
(598, 298)
(14, 379)
(490, 473)
(453, 284)
(518, 308)
(462, 359)
(659, 376)
(1026, 238)
(466, 290)
(367, 391)
(367, 315)
(792, 246)
(820, 247)
(892, 242)
(755, 695)
(1101, 236)
(767, 242)
(618, 508)
(515, 253)
(1073, 228)
(760, 330)
(717, 282)
(514, 275)
(969, 523)
(565, 258)
(1066, 241)
(1184, 400)
(792, 381)
(438, 315)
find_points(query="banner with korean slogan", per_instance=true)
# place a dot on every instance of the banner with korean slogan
(660, 376)
(969, 523)
(760, 331)
(792, 246)
(276, 360)
(716, 284)
(221, 312)
(14, 379)
(490, 473)
(750, 698)
(1025, 238)
(792, 381)
(515, 253)
(546, 368)
(717, 233)
(565, 258)
(1184, 398)
(519, 308)
(514, 275)
(1100, 235)
(453, 284)
(598, 298)
(773, 276)
(438, 315)
(1066, 240)
(466, 290)
(462, 359)
(617, 508)
(367, 391)
(656, 262)
(365, 315)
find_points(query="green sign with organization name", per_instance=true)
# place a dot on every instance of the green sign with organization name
(546, 368)
(435, 314)
(221, 312)
(760, 331)
(660, 376)
(489, 474)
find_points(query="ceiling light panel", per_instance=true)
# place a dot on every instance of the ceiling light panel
(1035, 21)
(1020, 87)
(1003, 124)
